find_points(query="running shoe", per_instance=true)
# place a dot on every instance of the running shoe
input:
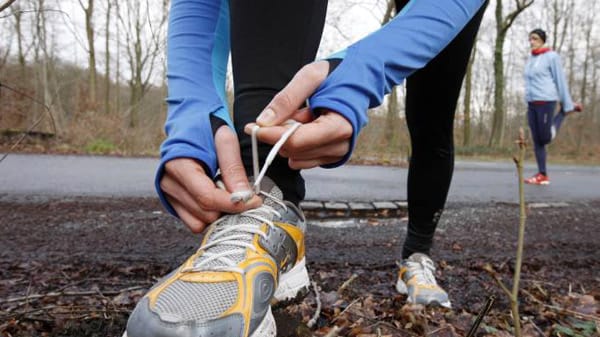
(538, 179)
(245, 262)
(416, 279)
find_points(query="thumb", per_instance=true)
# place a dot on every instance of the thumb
(295, 93)
(230, 161)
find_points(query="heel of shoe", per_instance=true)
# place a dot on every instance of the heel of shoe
(267, 327)
(293, 283)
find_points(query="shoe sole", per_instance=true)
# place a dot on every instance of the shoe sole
(542, 183)
(267, 327)
(291, 284)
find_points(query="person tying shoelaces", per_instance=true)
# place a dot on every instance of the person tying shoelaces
(253, 251)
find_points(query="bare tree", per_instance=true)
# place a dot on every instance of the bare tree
(587, 27)
(18, 16)
(142, 51)
(503, 23)
(560, 12)
(4, 53)
(89, 30)
(107, 58)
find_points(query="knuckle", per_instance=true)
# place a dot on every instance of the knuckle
(283, 100)
(204, 201)
(196, 226)
(234, 170)
(311, 72)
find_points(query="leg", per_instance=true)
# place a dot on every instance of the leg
(544, 123)
(558, 119)
(270, 42)
(432, 94)
(532, 117)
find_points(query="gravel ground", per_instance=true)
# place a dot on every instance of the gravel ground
(76, 267)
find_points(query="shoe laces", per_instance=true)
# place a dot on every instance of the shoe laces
(423, 270)
(232, 234)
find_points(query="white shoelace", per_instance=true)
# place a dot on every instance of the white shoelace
(423, 268)
(237, 236)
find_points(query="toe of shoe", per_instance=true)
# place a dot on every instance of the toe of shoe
(143, 322)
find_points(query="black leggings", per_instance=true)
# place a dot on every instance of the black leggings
(431, 96)
(269, 46)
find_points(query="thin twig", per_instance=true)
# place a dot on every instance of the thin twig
(494, 275)
(387, 324)
(68, 293)
(344, 311)
(536, 327)
(347, 283)
(484, 311)
(561, 310)
(315, 317)
(26, 312)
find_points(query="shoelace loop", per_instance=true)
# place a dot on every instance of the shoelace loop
(236, 235)
(240, 234)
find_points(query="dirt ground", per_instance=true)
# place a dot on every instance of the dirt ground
(76, 267)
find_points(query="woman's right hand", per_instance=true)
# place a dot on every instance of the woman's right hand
(194, 195)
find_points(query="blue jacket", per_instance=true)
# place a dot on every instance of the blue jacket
(545, 80)
(198, 49)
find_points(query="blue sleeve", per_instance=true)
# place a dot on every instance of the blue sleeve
(561, 83)
(197, 54)
(371, 67)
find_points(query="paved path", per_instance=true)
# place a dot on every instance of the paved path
(50, 175)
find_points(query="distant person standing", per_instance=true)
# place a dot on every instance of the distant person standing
(548, 99)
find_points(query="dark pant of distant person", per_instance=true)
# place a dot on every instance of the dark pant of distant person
(544, 125)
(265, 57)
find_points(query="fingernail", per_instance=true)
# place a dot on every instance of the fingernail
(266, 117)
(241, 196)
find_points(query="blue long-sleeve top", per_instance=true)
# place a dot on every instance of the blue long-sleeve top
(545, 80)
(198, 48)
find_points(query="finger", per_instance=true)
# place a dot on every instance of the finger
(307, 164)
(303, 115)
(288, 100)
(324, 130)
(218, 199)
(337, 149)
(195, 224)
(190, 175)
(230, 160)
(174, 191)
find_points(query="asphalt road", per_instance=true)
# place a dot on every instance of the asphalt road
(51, 175)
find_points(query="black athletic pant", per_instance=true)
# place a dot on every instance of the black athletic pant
(270, 41)
(269, 46)
(431, 96)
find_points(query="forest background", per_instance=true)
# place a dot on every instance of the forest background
(88, 77)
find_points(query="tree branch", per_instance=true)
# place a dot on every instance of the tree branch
(6, 5)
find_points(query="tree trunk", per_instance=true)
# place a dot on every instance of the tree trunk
(89, 30)
(16, 11)
(502, 26)
(107, 60)
(467, 98)
(497, 135)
